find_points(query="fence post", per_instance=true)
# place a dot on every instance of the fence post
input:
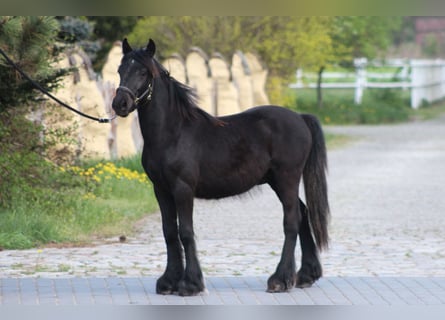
(360, 78)
(299, 77)
(418, 88)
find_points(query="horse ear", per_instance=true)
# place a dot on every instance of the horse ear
(151, 47)
(126, 47)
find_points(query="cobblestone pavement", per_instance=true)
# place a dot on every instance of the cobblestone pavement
(388, 219)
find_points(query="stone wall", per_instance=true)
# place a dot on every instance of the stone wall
(223, 88)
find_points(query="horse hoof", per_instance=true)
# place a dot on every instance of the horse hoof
(308, 274)
(165, 286)
(304, 283)
(283, 284)
(190, 289)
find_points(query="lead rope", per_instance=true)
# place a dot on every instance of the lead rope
(45, 92)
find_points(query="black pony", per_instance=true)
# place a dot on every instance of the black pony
(189, 153)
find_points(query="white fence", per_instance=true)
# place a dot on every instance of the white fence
(424, 78)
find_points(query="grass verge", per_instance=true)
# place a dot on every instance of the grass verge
(76, 205)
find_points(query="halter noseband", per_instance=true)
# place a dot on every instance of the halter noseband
(146, 94)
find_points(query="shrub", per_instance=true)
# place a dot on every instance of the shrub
(378, 106)
(42, 203)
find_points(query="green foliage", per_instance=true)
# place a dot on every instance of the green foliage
(42, 203)
(73, 29)
(378, 106)
(431, 46)
(112, 28)
(107, 30)
(365, 36)
(79, 31)
(29, 41)
(282, 42)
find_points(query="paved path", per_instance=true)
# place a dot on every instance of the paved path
(381, 291)
(387, 203)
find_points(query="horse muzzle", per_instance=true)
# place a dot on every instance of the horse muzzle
(123, 104)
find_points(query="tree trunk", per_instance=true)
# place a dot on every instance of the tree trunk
(319, 92)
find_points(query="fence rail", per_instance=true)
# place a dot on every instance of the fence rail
(424, 78)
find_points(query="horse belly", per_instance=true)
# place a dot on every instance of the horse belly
(221, 191)
(227, 184)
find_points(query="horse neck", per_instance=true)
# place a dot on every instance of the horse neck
(159, 121)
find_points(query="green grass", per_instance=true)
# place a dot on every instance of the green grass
(378, 106)
(76, 205)
(335, 141)
(428, 112)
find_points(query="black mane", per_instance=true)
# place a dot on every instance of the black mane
(184, 98)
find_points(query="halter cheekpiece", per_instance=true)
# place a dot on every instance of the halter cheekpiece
(147, 94)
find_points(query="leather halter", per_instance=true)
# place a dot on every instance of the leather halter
(147, 94)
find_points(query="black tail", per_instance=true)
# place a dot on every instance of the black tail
(315, 185)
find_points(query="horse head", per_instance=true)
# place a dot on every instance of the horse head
(136, 71)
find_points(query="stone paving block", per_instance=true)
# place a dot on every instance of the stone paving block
(82, 291)
(222, 287)
(318, 295)
(64, 292)
(384, 290)
(439, 290)
(367, 292)
(218, 284)
(212, 298)
(175, 300)
(99, 291)
(265, 298)
(284, 298)
(243, 292)
(333, 293)
(414, 293)
(397, 286)
(348, 291)
(300, 297)
(237, 283)
(432, 291)
(46, 292)
(135, 290)
(418, 287)
(255, 283)
(28, 292)
(440, 282)
(198, 300)
(247, 298)
(10, 291)
(149, 285)
(229, 297)
(118, 291)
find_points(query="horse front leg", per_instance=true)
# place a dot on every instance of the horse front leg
(192, 282)
(174, 272)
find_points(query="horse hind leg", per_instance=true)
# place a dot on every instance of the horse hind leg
(310, 270)
(285, 276)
